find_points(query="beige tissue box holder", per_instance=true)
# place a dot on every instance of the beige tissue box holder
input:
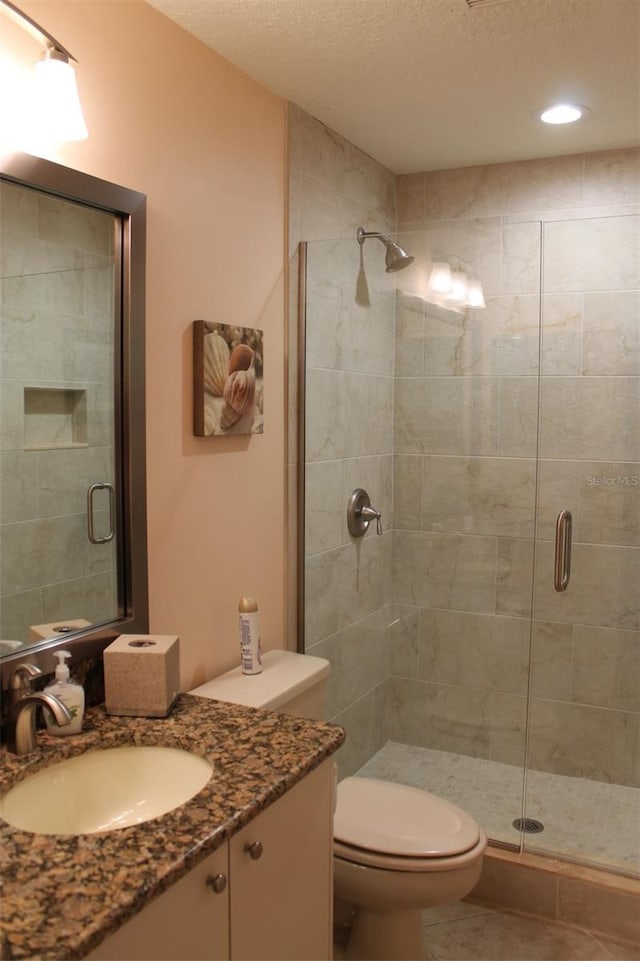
(142, 674)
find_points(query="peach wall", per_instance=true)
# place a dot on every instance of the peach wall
(169, 117)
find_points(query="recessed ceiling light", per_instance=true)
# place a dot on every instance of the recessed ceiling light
(562, 113)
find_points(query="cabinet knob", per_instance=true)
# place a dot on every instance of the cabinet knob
(254, 850)
(217, 882)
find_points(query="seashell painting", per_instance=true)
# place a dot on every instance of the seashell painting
(228, 374)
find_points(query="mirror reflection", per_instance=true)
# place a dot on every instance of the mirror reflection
(59, 346)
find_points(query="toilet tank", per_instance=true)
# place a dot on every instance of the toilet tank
(289, 683)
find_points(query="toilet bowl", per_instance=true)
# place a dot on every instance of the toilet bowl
(397, 849)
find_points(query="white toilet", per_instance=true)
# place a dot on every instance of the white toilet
(397, 849)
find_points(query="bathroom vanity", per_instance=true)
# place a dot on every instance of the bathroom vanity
(241, 871)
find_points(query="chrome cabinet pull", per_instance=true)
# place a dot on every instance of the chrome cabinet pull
(112, 502)
(562, 564)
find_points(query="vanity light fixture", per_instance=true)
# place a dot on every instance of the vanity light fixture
(55, 105)
(562, 113)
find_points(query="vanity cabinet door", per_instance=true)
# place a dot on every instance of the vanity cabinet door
(280, 866)
(189, 921)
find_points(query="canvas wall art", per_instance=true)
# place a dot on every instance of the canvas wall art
(228, 376)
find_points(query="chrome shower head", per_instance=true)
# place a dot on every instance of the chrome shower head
(395, 257)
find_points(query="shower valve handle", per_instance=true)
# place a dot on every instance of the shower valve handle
(360, 513)
(370, 514)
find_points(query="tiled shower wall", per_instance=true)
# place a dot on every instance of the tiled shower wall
(56, 412)
(334, 188)
(465, 445)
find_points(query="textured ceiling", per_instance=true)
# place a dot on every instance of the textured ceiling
(435, 84)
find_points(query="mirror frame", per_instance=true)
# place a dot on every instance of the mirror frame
(129, 206)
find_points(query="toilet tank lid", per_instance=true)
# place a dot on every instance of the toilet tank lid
(285, 675)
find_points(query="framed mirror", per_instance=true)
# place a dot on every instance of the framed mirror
(73, 559)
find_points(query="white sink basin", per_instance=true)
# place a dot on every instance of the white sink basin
(105, 790)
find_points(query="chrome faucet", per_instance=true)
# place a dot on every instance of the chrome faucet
(23, 702)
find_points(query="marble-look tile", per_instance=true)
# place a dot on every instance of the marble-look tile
(609, 503)
(558, 489)
(365, 724)
(409, 339)
(611, 338)
(599, 254)
(356, 423)
(590, 418)
(449, 571)
(504, 937)
(551, 660)
(94, 598)
(345, 585)
(18, 486)
(582, 741)
(612, 176)
(508, 728)
(446, 415)
(606, 668)
(43, 552)
(360, 659)
(518, 418)
(440, 716)
(504, 188)
(18, 334)
(411, 201)
(365, 334)
(603, 590)
(64, 476)
(11, 415)
(323, 522)
(475, 243)
(501, 340)
(480, 651)
(64, 222)
(521, 251)
(608, 912)
(514, 573)
(407, 492)
(18, 611)
(561, 334)
(403, 640)
(479, 495)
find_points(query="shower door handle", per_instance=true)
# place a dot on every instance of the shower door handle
(112, 500)
(562, 564)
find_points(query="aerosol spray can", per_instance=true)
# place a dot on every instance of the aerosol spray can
(249, 623)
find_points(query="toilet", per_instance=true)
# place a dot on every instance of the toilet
(397, 849)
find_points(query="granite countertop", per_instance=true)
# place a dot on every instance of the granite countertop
(61, 895)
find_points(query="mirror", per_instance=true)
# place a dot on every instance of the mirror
(72, 475)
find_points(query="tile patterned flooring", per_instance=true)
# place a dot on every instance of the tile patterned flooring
(469, 932)
(584, 820)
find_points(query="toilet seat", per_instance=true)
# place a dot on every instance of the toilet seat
(387, 825)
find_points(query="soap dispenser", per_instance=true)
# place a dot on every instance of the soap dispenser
(71, 695)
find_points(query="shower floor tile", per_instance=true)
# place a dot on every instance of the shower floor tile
(588, 821)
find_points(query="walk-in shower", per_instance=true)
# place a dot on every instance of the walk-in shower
(457, 665)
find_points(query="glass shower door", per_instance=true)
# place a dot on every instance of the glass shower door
(583, 762)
